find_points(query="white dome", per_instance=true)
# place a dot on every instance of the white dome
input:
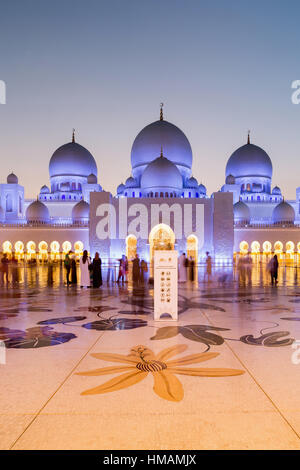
(241, 212)
(72, 159)
(2, 215)
(192, 183)
(161, 174)
(249, 161)
(81, 212)
(283, 213)
(92, 179)
(130, 182)
(37, 212)
(202, 189)
(44, 190)
(12, 179)
(159, 134)
(120, 188)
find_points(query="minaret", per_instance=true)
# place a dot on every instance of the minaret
(73, 136)
(248, 140)
(161, 117)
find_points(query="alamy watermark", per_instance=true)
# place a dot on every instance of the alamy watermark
(2, 92)
(296, 354)
(296, 94)
(2, 353)
(138, 220)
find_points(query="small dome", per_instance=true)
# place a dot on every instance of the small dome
(241, 212)
(276, 191)
(230, 179)
(37, 213)
(12, 179)
(192, 183)
(120, 188)
(81, 212)
(130, 182)
(161, 174)
(72, 159)
(202, 189)
(92, 179)
(2, 215)
(283, 213)
(249, 161)
(44, 190)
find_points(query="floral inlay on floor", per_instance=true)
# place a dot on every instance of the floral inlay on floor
(141, 361)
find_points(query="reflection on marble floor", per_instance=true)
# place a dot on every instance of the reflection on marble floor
(80, 367)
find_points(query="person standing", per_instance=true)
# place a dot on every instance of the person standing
(192, 269)
(4, 268)
(73, 270)
(136, 270)
(182, 268)
(121, 274)
(274, 270)
(97, 271)
(248, 268)
(84, 270)
(208, 270)
(67, 264)
(15, 273)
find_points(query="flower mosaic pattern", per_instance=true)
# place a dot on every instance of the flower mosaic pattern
(199, 333)
(35, 337)
(141, 361)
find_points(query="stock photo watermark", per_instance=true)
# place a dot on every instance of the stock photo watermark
(296, 354)
(2, 353)
(2, 92)
(296, 94)
(185, 219)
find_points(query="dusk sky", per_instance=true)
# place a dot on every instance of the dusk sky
(103, 67)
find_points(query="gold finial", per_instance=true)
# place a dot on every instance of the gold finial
(161, 117)
(73, 135)
(248, 140)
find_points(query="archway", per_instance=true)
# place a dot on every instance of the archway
(161, 237)
(192, 253)
(290, 252)
(267, 250)
(30, 248)
(131, 243)
(55, 247)
(278, 249)
(66, 246)
(19, 250)
(7, 248)
(43, 251)
(78, 246)
(244, 247)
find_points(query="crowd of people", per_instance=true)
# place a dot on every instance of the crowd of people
(135, 269)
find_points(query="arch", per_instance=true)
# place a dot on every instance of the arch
(78, 246)
(192, 247)
(43, 250)
(244, 247)
(161, 237)
(255, 247)
(66, 246)
(19, 250)
(7, 247)
(298, 247)
(267, 247)
(31, 250)
(290, 247)
(131, 244)
(8, 203)
(278, 247)
(55, 248)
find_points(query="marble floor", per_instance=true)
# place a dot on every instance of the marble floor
(91, 369)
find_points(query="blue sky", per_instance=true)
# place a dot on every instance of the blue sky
(103, 67)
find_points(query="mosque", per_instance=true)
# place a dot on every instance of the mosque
(246, 214)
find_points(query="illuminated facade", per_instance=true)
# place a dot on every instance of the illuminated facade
(161, 159)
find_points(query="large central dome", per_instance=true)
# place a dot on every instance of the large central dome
(72, 159)
(157, 135)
